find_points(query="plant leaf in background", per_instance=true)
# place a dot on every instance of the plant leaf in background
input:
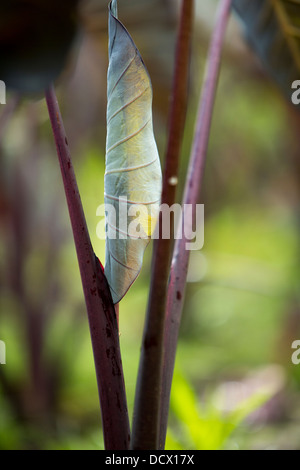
(272, 27)
(133, 171)
(208, 425)
(35, 39)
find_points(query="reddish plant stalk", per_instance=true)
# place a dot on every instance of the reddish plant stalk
(100, 309)
(146, 417)
(193, 185)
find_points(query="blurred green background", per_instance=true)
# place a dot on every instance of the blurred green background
(235, 386)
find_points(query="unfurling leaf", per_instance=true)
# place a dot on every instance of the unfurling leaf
(133, 173)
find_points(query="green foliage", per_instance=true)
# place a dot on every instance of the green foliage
(206, 426)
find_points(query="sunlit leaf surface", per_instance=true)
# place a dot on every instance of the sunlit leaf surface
(133, 172)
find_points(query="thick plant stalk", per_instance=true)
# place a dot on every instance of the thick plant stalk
(146, 417)
(193, 185)
(100, 309)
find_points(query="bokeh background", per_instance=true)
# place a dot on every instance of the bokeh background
(235, 386)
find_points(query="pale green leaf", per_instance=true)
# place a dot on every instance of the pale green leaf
(133, 171)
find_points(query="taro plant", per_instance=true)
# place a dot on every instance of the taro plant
(133, 177)
(132, 166)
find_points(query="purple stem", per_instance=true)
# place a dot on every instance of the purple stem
(193, 184)
(146, 418)
(100, 309)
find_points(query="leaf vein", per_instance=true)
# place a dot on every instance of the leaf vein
(119, 262)
(128, 137)
(121, 75)
(127, 104)
(132, 168)
(128, 201)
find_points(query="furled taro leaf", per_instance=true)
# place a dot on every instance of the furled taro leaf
(133, 173)
(272, 27)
